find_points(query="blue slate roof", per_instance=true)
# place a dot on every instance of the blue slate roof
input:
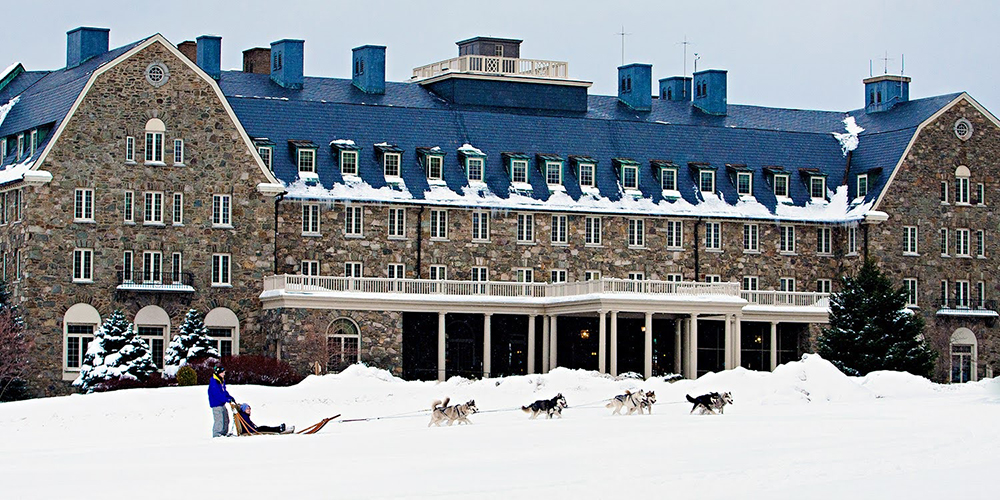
(411, 117)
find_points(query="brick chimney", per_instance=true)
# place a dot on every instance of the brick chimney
(189, 49)
(257, 60)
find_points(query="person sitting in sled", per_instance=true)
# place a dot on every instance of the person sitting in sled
(244, 411)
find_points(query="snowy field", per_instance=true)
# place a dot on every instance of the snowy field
(804, 431)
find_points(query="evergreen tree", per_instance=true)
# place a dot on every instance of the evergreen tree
(871, 329)
(15, 350)
(191, 342)
(116, 352)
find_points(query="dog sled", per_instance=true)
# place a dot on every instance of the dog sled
(243, 427)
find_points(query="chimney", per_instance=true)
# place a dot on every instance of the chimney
(675, 88)
(210, 55)
(257, 60)
(635, 82)
(885, 91)
(369, 68)
(84, 43)
(189, 49)
(710, 91)
(286, 63)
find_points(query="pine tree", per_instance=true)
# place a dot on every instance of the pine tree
(191, 342)
(116, 352)
(871, 329)
(15, 350)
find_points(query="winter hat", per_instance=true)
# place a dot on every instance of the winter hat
(219, 369)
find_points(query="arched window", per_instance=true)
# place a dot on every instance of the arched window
(962, 175)
(80, 323)
(224, 330)
(152, 323)
(964, 349)
(154, 140)
(343, 342)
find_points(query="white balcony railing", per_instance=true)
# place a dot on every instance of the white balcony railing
(492, 65)
(776, 298)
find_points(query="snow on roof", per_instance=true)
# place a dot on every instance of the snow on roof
(15, 172)
(469, 148)
(6, 107)
(849, 140)
(8, 69)
(341, 142)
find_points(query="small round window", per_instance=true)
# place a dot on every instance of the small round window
(963, 129)
(157, 74)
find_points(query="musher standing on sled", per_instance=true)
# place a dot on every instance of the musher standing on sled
(217, 399)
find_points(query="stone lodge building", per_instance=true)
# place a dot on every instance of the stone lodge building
(488, 217)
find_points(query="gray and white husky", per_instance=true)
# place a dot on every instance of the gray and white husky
(632, 401)
(711, 402)
(550, 407)
(440, 412)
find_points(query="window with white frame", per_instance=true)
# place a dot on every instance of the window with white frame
(178, 152)
(525, 228)
(817, 187)
(153, 336)
(962, 243)
(152, 267)
(944, 192)
(962, 190)
(852, 240)
(674, 277)
(78, 338)
(824, 241)
(553, 173)
(751, 238)
(713, 278)
(787, 284)
(439, 224)
(128, 266)
(222, 339)
(352, 270)
(83, 265)
(439, 272)
(396, 271)
(943, 232)
(435, 167)
(910, 285)
(83, 210)
(630, 177)
(781, 185)
(668, 179)
(480, 273)
(980, 243)
(910, 240)
(265, 156)
(397, 222)
(980, 194)
(154, 141)
(474, 169)
(706, 181)
(675, 234)
(176, 267)
(525, 275)
(343, 343)
(349, 162)
(20, 146)
(824, 285)
(221, 266)
(353, 220)
(307, 160)
(963, 360)
(559, 229)
(787, 243)
(153, 207)
(744, 183)
(591, 275)
(178, 211)
(390, 164)
(592, 234)
(944, 293)
(33, 143)
(222, 211)
(980, 295)
(962, 293)
(519, 171)
(310, 268)
(310, 219)
(130, 149)
(636, 276)
(713, 236)
(480, 225)
(636, 233)
(557, 276)
(862, 186)
(587, 175)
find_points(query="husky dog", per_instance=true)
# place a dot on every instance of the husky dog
(550, 407)
(648, 400)
(631, 401)
(440, 411)
(709, 403)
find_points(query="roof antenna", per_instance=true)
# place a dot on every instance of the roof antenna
(885, 63)
(871, 72)
(696, 57)
(622, 33)
(685, 43)
(902, 64)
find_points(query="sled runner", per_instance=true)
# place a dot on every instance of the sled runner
(243, 428)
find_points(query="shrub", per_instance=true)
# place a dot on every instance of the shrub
(187, 376)
(259, 370)
(153, 381)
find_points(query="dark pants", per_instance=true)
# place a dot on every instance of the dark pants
(268, 428)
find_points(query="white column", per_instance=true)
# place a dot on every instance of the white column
(774, 345)
(553, 343)
(602, 349)
(727, 340)
(614, 343)
(678, 347)
(441, 347)
(648, 350)
(486, 345)
(738, 342)
(545, 344)
(693, 347)
(531, 344)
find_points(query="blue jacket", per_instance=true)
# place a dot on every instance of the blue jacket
(217, 394)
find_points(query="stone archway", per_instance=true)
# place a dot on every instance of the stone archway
(963, 349)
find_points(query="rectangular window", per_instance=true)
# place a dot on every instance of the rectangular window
(713, 278)
(817, 187)
(980, 299)
(128, 266)
(750, 238)
(434, 167)
(781, 185)
(3, 149)
(962, 243)
(439, 224)
(787, 243)
(152, 267)
(265, 156)
(559, 230)
(961, 294)
(130, 149)
(787, 284)
(587, 174)
(675, 278)
(962, 190)
(78, 337)
(353, 221)
(222, 339)
(220, 269)
(824, 286)
(352, 270)
(176, 268)
(910, 240)
(553, 173)
(980, 243)
(33, 143)
(83, 265)
(636, 233)
(307, 160)
(637, 276)
(592, 275)
(944, 241)
(744, 183)
(397, 222)
(310, 268)
(668, 179)
(525, 228)
(480, 274)
(944, 293)
(178, 211)
(910, 285)
(675, 234)
(980, 194)
(525, 275)
(706, 181)
(852, 240)
(349, 162)
(222, 211)
(557, 276)
(519, 171)
(474, 169)
(713, 236)
(944, 191)
(824, 244)
(153, 208)
(439, 272)
(480, 225)
(128, 207)
(179, 152)
(593, 231)
(630, 177)
(20, 146)
(390, 164)
(396, 271)
(154, 147)
(84, 205)
(310, 219)
(862, 187)
(153, 335)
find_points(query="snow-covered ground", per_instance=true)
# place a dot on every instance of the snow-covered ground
(804, 431)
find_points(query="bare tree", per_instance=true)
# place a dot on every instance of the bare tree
(15, 348)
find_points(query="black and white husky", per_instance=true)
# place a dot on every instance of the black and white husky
(440, 412)
(632, 401)
(711, 402)
(550, 407)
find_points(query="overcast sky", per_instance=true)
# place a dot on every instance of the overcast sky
(795, 54)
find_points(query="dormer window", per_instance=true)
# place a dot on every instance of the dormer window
(265, 156)
(475, 163)
(154, 141)
(862, 185)
(517, 167)
(586, 170)
(628, 173)
(587, 174)
(744, 183)
(433, 160)
(781, 185)
(392, 159)
(667, 172)
(817, 187)
(705, 176)
(3, 149)
(33, 142)
(552, 168)
(346, 153)
(307, 160)
(20, 146)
